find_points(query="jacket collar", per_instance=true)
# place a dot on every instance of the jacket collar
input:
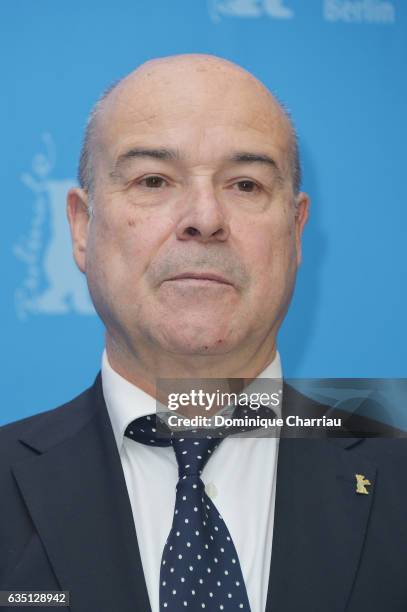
(75, 492)
(320, 520)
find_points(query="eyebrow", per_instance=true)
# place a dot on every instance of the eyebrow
(165, 154)
(162, 154)
(262, 158)
(252, 158)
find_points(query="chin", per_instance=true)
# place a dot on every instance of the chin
(199, 340)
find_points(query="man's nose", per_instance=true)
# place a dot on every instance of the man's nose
(203, 217)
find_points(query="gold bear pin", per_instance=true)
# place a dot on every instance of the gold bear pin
(361, 483)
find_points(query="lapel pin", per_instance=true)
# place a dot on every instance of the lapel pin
(361, 483)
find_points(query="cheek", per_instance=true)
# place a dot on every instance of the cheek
(124, 244)
(273, 256)
(123, 248)
(273, 265)
(141, 240)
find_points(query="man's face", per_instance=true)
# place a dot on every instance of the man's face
(192, 179)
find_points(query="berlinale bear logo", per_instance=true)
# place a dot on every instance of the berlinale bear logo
(249, 8)
(52, 284)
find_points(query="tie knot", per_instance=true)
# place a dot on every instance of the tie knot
(193, 453)
(144, 430)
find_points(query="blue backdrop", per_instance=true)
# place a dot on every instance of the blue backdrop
(338, 65)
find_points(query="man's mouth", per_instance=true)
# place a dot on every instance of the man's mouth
(201, 277)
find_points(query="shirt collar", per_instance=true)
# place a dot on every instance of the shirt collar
(126, 402)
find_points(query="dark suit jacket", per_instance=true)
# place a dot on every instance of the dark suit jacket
(66, 521)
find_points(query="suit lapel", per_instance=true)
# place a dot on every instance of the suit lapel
(320, 523)
(76, 494)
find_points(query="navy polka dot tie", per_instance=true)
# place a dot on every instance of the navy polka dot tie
(200, 568)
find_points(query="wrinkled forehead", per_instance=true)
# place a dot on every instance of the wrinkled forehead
(162, 97)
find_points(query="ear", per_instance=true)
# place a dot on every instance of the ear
(79, 218)
(302, 204)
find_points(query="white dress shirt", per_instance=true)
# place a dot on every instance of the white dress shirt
(240, 478)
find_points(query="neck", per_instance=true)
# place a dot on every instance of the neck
(144, 367)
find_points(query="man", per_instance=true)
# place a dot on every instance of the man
(187, 224)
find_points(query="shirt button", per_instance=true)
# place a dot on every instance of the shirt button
(211, 490)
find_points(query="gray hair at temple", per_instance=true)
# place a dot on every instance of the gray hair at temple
(86, 176)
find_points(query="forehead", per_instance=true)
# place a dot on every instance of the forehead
(200, 110)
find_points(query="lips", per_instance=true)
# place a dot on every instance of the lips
(206, 276)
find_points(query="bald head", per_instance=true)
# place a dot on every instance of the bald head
(194, 84)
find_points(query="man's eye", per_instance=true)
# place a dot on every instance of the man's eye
(153, 182)
(247, 186)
